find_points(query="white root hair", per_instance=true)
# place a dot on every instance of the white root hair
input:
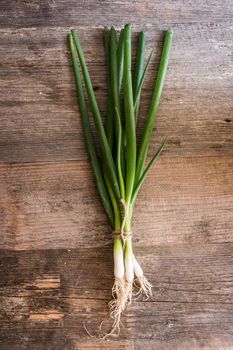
(122, 296)
(144, 287)
(140, 282)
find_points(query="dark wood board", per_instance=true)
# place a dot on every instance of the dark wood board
(56, 269)
(48, 294)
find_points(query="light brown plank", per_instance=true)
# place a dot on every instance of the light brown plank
(40, 119)
(214, 342)
(55, 205)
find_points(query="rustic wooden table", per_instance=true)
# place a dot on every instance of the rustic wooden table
(56, 251)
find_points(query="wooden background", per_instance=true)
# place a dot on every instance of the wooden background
(56, 267)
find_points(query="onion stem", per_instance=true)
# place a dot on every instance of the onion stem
(106, 152)
(121, 171)
(138, 70)
(130, 132)
(143, 149)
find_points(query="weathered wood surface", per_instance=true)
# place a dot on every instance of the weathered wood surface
(55, 205)
(49, 295)
(56, 254)
(39, 107)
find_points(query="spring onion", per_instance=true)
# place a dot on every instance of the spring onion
(120, 170)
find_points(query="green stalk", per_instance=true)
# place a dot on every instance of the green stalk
(119, 153)
(141, 82)
(120, 61)
(129, 218)
(143, 149)
(130, 133)
(109, 117)
(89, 137)
(142, 178)
(139, 69)
(120, 58)
(107, 51)
(116, 104)
(117, 216)
(105, 149)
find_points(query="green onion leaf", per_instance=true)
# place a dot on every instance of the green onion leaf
(138, 69)
(109, 118)
(120, 61)
(105, 149)
(107, 54)
(116, 210)
(116, 104)
(89, 137)
(114, 74)
(120, 58)
(119, 154)
(143, 149)
(142, 178)
(139, 89)
(130, 133)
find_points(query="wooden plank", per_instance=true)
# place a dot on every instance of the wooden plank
(191, 306)
(178, 273)
(55, 205)
(183, 222)
(212, 343)
(40, 119)
(100, 13)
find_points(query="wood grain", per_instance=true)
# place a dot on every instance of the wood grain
(55, 205)
(103, 12)
(56, 268)
(40, 119)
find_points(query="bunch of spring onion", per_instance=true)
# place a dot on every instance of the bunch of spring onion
(120, 169)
